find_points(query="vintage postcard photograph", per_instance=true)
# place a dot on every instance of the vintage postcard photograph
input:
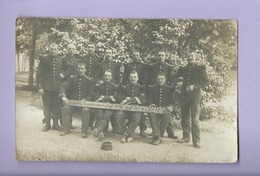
(126, 90)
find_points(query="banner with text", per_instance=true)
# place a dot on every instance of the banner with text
(134, 108)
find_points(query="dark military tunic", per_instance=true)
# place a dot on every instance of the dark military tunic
(193, 75)
(91, 61)
(79, 88)
(140, 68)
(109, 90)
(48, 73)
(135, 91)
(155, 68)
(113, 67)
(70, 63)
(160, 95)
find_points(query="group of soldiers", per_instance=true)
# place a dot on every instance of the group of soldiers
(98, 79)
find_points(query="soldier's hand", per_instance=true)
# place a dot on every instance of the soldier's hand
(127, 98)
(190, 88)
(102, 96)
(41, 91)
(170, 108)
(179, 84)
(65, 100)
(152, 105)
(101, 82)
(61, 75)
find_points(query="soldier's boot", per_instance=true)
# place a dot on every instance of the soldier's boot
(47, 126)
(72, 126)
(56, 126)
(91, 123)
(142, 131)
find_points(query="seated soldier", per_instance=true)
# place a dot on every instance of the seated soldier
(131, 94)
(160, 95)
(105, 92)
(80, 87)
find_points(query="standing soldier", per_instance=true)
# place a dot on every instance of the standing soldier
(138, 66)
(167, 69)
(107, 93)
(194, 78)
(160, 95)
(91, 61)
(108, 64)
(81, 87)
(70, 62)
(131, 94)
(160, 66)
(49, 80)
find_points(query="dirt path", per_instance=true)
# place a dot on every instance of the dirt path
(219, 142)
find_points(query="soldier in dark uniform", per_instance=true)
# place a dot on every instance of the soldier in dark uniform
(91, 61)
(160, 66)
(194, 78)
(108, 64)
(153, 70)
(49, 80)
(70, 62)
(80, 87)
(132, 94)
(105, 92)
(160, 95)
(138, 66)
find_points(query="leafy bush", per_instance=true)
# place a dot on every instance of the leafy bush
(219, 112)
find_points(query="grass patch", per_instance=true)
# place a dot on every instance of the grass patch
(108, 156)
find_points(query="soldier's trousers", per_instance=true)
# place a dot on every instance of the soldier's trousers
(67, 112)
(190, 112)
(159, 123)
(51, 105)
(170, 128)
(134, 119)
(103, 117)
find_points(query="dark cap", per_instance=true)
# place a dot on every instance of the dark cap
(106, 145)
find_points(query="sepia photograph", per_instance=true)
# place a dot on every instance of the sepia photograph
(126, 90)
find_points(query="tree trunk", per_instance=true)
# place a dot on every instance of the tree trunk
(18, 62)
(31, 57)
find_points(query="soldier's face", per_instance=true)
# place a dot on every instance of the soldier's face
(162, 56)
(133, 78)
(107, 76)
(91, 48)
(71, 49)
(53, 49)
(136, 56)
(81, 70)
(191, 57)
(161, 80)
(108, 54)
